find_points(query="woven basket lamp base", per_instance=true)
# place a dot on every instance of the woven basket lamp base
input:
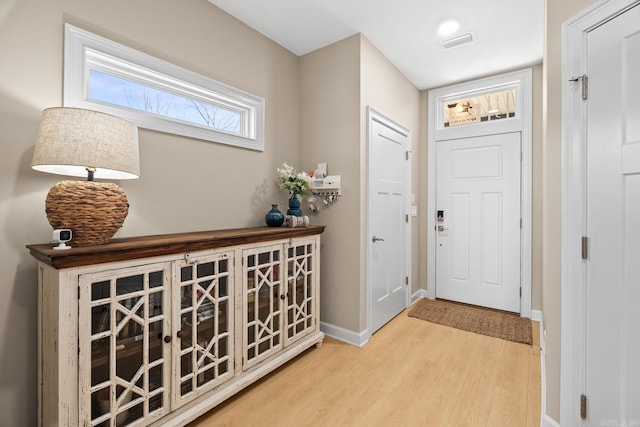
(93, 211)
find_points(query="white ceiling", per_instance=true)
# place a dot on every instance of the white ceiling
(508, 33)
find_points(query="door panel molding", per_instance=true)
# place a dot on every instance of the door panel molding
(522, 122)
(374, 117)
(480, 238)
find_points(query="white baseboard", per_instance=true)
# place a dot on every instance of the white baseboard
(355, 338)
(420, 293)
(547, 421)
(345, 335)
(536, 315)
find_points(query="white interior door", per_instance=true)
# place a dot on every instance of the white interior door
(478, 220)
(387, 236)
(613, 223)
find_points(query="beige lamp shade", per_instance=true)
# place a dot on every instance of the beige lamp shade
(72, 139)
(73, 142)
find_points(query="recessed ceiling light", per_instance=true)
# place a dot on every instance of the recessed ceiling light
(448, 27)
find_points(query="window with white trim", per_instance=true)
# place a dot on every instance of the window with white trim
(102, 75)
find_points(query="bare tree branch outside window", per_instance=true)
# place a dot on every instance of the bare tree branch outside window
(118, 91)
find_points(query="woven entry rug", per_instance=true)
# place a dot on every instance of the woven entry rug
(481, 320)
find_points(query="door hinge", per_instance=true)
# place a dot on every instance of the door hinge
(78, 292)
(583, 407)
(584, 80)
(585, 248)
(407, 155)
(520, 222)
(406, 218)
(520, 291)
(406, 280)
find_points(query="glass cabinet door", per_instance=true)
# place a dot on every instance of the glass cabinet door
(300, 298)
(204, 344)
(123, 360)
(262, 303)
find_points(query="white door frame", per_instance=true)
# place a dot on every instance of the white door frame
(521, 81)
(373, 115)
(573, 274)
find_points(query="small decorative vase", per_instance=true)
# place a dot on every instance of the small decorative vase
(294, 206)
(274, 218)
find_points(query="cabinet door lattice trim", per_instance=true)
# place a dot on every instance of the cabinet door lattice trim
(205, 335)
(300, 294)
(123, 360)
(262, 270)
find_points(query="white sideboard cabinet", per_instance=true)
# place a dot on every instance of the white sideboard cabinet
(157, 330)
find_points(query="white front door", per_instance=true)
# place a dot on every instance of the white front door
(387, 236)
(612, 354)
(478, 220)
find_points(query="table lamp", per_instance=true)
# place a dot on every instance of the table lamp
(78, 142)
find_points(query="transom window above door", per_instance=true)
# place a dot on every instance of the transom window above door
(495, 105)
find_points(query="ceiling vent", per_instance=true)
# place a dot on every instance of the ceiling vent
(458, 40)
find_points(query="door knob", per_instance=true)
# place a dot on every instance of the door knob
(377, 239)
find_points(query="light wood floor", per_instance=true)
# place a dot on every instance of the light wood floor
(411, 373)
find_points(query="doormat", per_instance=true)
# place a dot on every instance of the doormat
(481, 320)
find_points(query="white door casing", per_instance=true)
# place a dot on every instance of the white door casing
(388, 239)
(601, 193)
(521, 81)
(478, 235)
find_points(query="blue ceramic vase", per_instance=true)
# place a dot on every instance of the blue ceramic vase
(294, 206)
(274, 218)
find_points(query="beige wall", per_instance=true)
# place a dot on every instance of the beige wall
(338, 82)
(536, 188)
(330, 132)
(423, 178)
(387, 91)
(186, 184)
(556, 13)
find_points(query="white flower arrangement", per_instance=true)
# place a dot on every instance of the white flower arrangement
(296, 183)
